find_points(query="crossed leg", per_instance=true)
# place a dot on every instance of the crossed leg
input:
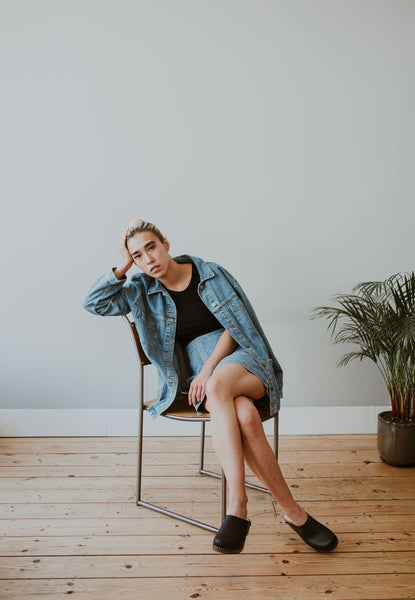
(238, 437)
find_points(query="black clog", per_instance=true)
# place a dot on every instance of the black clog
(316, 535)
(230, 539)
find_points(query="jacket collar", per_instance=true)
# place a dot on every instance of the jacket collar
(205, 272)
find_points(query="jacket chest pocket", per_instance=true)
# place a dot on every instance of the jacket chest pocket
(241, 314)
(149, 330)
(151, 333)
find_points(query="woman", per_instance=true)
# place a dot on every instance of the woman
(197, 326)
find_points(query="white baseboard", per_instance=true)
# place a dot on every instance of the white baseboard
(307, 420)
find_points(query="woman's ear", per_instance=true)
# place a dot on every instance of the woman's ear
(167, 245)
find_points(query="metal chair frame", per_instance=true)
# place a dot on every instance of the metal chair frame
(197, 418)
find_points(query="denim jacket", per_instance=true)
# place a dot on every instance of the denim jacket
(154, 314)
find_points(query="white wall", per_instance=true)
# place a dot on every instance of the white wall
(275, 137)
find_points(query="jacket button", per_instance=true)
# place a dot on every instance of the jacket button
(247, 345)
(201, 286)
(231, 325)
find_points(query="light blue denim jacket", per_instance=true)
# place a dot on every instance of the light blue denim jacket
(154, 314)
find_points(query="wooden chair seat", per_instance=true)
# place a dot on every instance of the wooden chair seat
(181, 411)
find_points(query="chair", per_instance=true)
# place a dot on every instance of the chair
(180, 412)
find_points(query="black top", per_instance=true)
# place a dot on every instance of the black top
(193, 316)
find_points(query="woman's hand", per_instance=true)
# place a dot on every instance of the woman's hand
(197, 388)
(127, 259)
(123, 250)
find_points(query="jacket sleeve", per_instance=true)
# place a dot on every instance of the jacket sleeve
(238, 289)
(107, 296)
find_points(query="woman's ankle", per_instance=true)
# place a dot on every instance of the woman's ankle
(238, 508)
(295, 515)
(242, 514)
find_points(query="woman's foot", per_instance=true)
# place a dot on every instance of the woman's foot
(296, 516)
(315, 534)
(230, 539)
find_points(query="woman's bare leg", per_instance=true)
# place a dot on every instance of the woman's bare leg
(238, 436)
(227, 383)
(261, 459)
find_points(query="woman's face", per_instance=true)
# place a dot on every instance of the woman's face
(150, 254)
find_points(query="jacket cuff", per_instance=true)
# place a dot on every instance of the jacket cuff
(113, 280)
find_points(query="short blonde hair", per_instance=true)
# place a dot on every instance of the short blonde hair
(139, 225)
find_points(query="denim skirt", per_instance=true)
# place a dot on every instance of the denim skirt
(199, 350)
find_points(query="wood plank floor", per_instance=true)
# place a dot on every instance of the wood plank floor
(69, 524)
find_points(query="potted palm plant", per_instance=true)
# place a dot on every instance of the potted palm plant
(379, 317)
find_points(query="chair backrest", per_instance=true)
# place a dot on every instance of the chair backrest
(180, 410)
(142, 357)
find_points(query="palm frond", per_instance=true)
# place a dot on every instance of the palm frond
(346, 358)
(379, 317)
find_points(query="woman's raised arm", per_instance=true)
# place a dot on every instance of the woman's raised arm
(106, 296)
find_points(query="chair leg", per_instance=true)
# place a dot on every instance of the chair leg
(178, 516)
(202, 469)
(139, 458)
(140, 439)
(154, 507)
(223, 496)
(202, 448)
(276, 435)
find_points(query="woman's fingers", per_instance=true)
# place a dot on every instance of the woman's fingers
(202, 393)
(196, 393)
(193, 395)
(123, 250)
(190, 395)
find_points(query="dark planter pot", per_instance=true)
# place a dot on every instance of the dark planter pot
(396, 441)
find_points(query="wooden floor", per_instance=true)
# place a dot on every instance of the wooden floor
(70, 525)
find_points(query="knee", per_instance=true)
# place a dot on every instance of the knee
(248, 417)
(217, 389)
